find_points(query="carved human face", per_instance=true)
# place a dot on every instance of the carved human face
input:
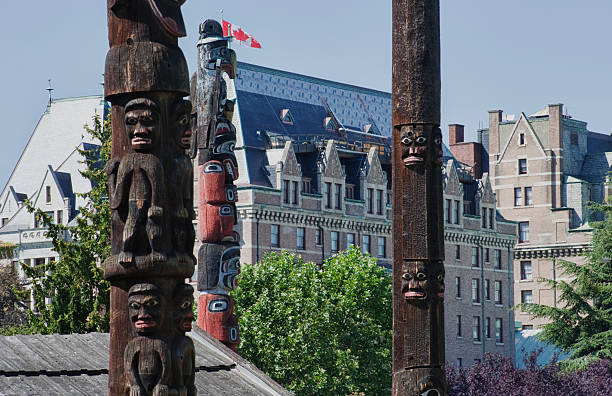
(146, 311)
(183, 307)
(421, 145)
(142, 125)
(182, 122)
(422, 280)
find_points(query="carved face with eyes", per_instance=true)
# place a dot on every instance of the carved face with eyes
(421, 145)
(182, 116)
(142, 123)
(146, 308)
(183, 304)
(421, 280)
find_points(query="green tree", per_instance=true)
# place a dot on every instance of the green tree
(582, 323)
(13, 318)
(70, 294)
(318, 331)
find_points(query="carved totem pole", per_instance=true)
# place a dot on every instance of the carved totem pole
(418, 249)
(214, 141)
(150, 181)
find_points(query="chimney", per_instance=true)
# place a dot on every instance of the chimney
(455, 133)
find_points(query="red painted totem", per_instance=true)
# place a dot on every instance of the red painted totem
(219, 255)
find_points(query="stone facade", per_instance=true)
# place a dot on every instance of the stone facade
(545, 168)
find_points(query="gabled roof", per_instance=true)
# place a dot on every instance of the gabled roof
(523, 120)
(77, 364)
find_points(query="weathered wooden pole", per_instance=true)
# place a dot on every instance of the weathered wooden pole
(214, 141)
(418, 248)
(151, 199)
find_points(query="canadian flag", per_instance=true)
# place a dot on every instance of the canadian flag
(236, 32)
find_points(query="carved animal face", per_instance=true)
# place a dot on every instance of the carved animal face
(142, 124)
(146, 310)
(230, 268)
(421, 145)
(221, 320)
(421, 281)
(183, 304)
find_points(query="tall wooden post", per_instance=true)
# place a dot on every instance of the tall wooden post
(151, 199)
(418, 247)
(219, 254)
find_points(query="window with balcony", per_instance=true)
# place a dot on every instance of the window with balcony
(475, 290)
(301, 245)
(526, 270)
(275, 235)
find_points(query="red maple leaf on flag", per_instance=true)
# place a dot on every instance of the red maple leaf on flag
(227, 28)
(240, 35)
(255, 43)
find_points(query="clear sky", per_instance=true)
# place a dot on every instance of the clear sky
(517, 55)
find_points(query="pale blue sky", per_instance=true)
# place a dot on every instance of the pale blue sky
(514, 55)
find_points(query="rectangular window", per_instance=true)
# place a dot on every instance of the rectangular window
(524, 231)
(488, 327)
(370, 200)
(498, 292)
(379, 202)
(449, 212)
(486, 255)
(349, 191)
(306, 186)
(338, 196)
(483, 218)
(499, 330)
(498, 258)
(475, 290)
(48, 190)
(527, 327)
(60, 216)
(458, 325)
(518, 196)
(300, 238)
(382, 247)
(275, 235)
(295, 192)
(459, 362)
(491, 218)
(318, 237)
(522, 166)
(458, 286)
(476, 328)
(365, 244)
(526, 297)
(456, 213)
(487, 289)
(334, 241)
(350, 240)
(528, 200)
(521, 139)
(286, 191)
(574, 139)
(457, 252)
(475, 261)
(327, 193)
(526, 270)
(4, 221)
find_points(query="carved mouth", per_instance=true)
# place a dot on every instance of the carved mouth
(186, 139)
(413, 160)
(141, 141)
(187, 325)
(145, 324)
(418, 294)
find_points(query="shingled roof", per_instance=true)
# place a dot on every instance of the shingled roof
(77, 364)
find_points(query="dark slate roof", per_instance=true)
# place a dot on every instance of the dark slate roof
(527, 341)
(77, 364)
(65, 183)
(598, 143)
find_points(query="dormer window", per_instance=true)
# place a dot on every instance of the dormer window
(330, 125)
(48, 194)
(286, 117)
